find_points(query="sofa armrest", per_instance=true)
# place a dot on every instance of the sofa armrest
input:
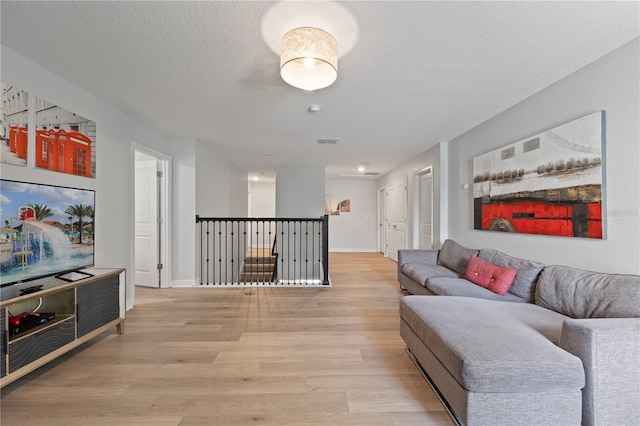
(610, 352)
(429, 257)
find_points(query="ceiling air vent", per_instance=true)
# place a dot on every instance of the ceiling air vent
(327, 141)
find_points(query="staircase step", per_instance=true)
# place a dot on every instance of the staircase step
(250, 277)
(260, 260)
(259, 267)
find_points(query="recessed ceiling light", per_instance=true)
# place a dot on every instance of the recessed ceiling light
(314, 108)
(361, 169)
(255, 178)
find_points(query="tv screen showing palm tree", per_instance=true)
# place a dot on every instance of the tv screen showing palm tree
(46, 230)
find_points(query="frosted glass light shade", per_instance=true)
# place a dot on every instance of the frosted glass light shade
(309, 58)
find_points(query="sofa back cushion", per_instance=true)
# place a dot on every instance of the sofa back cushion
(524, 285)
(585, 294)
(455, 257)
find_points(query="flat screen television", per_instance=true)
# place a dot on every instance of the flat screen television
(46, 230)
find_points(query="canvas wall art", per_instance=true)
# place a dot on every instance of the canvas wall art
(333, 206)
(65, 141)
(14, 116)
(551, 183)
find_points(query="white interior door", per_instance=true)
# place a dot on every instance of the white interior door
(396, 209)
(381, 221)
(390, 236)
(425, 213)
(146, 227)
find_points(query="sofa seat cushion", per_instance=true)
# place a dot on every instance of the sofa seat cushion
(420, 272)
(489, 349)
(446, 286)
(585, 294)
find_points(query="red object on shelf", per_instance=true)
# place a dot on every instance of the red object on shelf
(15, 321)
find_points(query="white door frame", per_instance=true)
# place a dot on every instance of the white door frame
(382, 219)
(417, 202)
(164, 167)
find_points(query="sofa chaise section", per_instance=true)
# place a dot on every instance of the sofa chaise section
(494, 366)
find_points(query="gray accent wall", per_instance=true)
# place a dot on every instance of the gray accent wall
(611, 83)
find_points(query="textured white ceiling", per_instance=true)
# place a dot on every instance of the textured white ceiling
(418, 73)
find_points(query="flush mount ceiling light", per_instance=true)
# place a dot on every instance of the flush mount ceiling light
(309, 58)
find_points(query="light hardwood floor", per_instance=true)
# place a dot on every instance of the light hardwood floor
(205, 356)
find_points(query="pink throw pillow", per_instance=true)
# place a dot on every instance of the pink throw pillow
(490, 276)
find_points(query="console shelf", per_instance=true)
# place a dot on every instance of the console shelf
(83, 309)
(41, 327)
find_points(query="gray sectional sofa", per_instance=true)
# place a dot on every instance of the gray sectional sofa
(561, 347)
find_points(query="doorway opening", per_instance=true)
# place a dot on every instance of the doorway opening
(152, 217)
(423, 209)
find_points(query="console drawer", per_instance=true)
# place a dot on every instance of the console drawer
(39, 344)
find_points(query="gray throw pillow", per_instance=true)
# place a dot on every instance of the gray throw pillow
(455, 257)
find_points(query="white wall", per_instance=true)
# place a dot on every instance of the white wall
(611, 84)
(220, 190)
(221, 187)
(436, 157)
(262, 199)
(299, 191)
(114, 232)
(354, 231)
(184, 212)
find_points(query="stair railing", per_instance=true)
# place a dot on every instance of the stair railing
(263, 251)
(274, 253)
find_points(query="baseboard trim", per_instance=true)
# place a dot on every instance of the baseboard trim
(183, 283)
(354, 250)
(287, 284)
